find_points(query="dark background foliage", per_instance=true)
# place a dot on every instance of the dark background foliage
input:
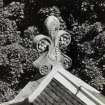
(24, 19)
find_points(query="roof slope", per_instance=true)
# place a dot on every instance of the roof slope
(62, 88)
(56, 94)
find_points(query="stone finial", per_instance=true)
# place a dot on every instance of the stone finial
(49, 47)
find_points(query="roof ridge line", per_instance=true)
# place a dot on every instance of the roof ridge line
(43, 84)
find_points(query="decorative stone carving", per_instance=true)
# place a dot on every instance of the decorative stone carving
(50, 46)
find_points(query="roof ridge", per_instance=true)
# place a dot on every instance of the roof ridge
(43, 84)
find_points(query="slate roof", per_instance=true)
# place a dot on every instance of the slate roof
(56, 94)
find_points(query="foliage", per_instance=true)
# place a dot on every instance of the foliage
(6, 93)
(23, 20)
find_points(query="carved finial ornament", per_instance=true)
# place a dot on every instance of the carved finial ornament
(50, 46)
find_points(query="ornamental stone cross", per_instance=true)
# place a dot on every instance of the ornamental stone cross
(50, 46)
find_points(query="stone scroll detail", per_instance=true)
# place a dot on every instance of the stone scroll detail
(50, 46)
